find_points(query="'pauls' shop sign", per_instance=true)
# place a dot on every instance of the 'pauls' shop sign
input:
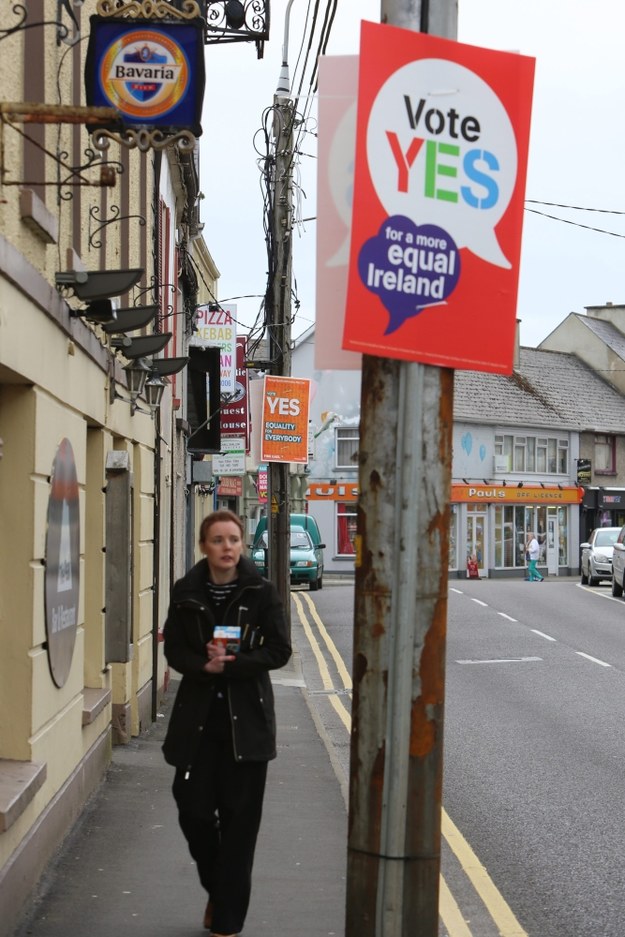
(441, 156)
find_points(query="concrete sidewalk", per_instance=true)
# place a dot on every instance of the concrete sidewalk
(125, 868)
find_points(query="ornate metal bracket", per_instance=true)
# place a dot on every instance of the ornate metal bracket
(226, 20)
(21, 12)
(11, 115)
(94, 213)
(237, 21)
(144, 140)
(155, 288)
(149, 9)
(109, 170)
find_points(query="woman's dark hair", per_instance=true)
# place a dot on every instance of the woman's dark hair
(215, 518)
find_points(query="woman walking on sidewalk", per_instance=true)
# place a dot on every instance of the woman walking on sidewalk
(225, 630)
(533, 552)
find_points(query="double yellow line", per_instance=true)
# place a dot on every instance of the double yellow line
(450, 912)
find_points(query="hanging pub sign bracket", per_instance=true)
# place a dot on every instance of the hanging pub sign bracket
(238, 21)
(146, 61)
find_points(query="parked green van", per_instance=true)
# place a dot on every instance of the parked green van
(306, 550)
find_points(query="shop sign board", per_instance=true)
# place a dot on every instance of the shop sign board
(62, 574)
(584, 471)
(284, 432)
(235, 411)
(230, 486)
(526, 494)
(262, 484)
(216, 326)
(151, 73)
(440, 164)
(231, 459)
(341, 491)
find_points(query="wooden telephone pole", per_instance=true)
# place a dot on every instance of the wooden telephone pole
(279, 496)
(400, 623)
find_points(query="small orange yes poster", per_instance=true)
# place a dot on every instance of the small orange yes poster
(286, 403)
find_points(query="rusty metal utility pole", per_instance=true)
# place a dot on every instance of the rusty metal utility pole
(400, 623)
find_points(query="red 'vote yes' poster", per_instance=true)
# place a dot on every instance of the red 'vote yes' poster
(439, 187)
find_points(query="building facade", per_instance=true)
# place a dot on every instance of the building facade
(94, 473)
(519, 442)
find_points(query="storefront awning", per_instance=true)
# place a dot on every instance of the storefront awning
(516, 493)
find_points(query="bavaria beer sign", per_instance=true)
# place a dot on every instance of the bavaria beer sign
(441, 157)
(152, 74)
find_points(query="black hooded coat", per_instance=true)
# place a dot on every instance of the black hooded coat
(265, 645)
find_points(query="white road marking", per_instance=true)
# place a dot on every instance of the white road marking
(508, 617)
(459, 591)
(479, 602)
(500, 660)
(541, 634)
(600, 595)
(595, 660)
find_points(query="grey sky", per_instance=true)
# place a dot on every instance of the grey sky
(577, 152)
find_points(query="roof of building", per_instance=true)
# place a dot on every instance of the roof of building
(607, 332)
(550, 389)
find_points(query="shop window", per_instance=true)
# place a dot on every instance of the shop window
(345, 528)
(605, 460)
(513, 524)
(538, 455)
(563, 536)
(453, 539)
(347, 442)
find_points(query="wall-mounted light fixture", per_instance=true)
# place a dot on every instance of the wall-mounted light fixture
(168, 366)
(154, 389)
(90, 285)
(131, 318)
(142, 345)
(137, 373)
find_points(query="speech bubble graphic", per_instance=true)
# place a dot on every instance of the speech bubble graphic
(410, 267)
(441, 149)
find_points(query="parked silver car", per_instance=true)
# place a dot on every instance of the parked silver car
(618, 564)
(597, 555)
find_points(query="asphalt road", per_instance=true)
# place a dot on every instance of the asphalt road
(534, 748)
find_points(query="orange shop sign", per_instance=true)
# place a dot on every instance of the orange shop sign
(284, 435)
(516, 494)
(337, 492)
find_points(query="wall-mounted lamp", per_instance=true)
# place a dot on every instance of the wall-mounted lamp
(100, 311)
(142, 379)
(154, 388)
(168, 366)
(137, 373)
(98, 284)
(130, 318)
(142, 345)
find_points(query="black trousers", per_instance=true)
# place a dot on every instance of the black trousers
(220, 806)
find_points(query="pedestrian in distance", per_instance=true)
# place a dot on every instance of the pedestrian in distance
(225, 630)
(533, 552)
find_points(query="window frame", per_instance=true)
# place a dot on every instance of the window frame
(610, 440)
(346, 434)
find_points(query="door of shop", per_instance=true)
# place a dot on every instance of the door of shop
(552, 543)
(477, 538)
